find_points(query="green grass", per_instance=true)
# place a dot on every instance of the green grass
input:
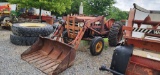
(85, 44)
(105, 43)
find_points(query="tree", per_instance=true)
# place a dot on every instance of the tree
(59, 6)
(75, 7)
(3, 0)
(97, 7)
(117, 14)
(91, 7)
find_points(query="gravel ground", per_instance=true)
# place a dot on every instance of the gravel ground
(85, 64)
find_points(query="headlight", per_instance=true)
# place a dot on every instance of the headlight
(80, 24)
(97, 22)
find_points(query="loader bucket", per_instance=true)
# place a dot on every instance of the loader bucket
(49, 56)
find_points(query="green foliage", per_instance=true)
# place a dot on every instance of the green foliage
(59, 6)
(91, 7)
(3, 0)
(117, 14)
(97, 7)
(75, 7)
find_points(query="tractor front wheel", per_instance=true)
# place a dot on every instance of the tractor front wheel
(96, 46)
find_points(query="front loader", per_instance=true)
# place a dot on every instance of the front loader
(139, 54)
(55, 54)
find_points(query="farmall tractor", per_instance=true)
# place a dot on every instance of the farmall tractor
(55, 54)
(140, 52)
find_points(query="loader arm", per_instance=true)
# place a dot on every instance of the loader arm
(87, 24)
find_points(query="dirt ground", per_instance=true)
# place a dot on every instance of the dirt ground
(85, 63)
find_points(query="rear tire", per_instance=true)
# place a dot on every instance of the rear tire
(96, 46)
(24, 41)
(115, 34)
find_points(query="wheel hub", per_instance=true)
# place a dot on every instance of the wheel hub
(98, 46)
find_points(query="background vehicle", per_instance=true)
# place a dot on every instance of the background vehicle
(9, 13)
(140, 53)
(5, 14)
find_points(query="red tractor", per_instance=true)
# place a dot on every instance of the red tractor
(54, 55)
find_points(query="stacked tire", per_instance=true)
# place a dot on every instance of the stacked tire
(26, 34)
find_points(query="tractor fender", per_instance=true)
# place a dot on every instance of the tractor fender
(109, 23)
(121, 58)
